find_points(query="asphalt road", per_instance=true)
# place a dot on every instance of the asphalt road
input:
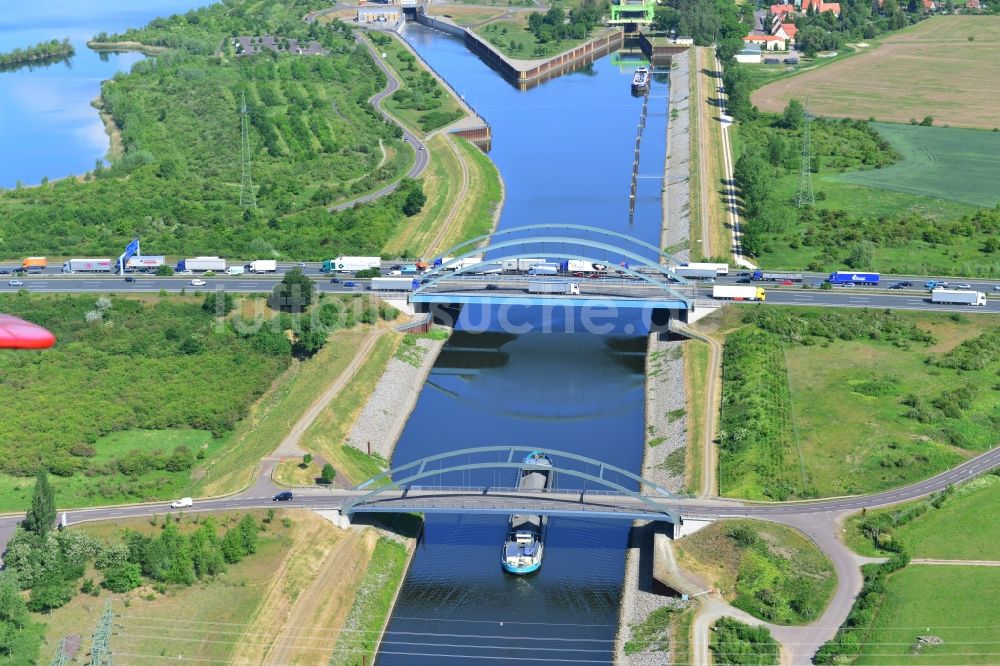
(422, 159)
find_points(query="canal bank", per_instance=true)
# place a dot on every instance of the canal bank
(675, 235)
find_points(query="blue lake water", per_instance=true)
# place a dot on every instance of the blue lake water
(47, 126)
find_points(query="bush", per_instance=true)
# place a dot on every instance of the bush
(49, 596)
(121, 578)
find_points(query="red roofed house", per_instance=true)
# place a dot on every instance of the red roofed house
(767, 42)
(973, 4)
(819, 6)
(782, 10)
(786, 30)
(929, 5)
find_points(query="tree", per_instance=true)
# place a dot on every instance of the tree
(123, 577)
(293, 294)
(218, 303)
(248, 531)
(306, 459)
(232, 546)
(42, 514)
(51, 595)
(415, 197)
(329, 473)
(12, 608)
(861, 255)
(792, 117)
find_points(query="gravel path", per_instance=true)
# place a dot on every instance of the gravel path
(382, 419)
(676, 231)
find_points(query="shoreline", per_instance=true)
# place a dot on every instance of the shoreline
(115, 147)
(126, 46)
(665, 393)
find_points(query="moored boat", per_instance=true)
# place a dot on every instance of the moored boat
(640, 80)
(522, 551)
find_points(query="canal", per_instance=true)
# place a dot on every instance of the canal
(565, 152)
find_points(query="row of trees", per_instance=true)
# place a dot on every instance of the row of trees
(708, 22)
(555, 24)
(38, 52)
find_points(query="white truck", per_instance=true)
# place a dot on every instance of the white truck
(553, 287)
(216, 264)
(262, 266)
(394, 284)
(235, 270)
(88, 266)
(720, 269)
(958, 297)
(544, 269)
(522, 265)
(354, 264)
(738, 293)
(145, 263)
(579, 265)
(696, 273)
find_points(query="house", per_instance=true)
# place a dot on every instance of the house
(781, 11)
(929, 6)
(973, 4)
(768, 42)
(819, 7)
(750, 54)
(379, 14)
(789, 29)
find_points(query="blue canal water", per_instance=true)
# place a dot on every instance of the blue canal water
(565, 152)
(47, 126)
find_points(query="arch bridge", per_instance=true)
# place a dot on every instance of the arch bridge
(639, 279)
(603, 495)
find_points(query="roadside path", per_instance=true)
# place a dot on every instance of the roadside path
(957, 563)
(420, 163)
(704, 151)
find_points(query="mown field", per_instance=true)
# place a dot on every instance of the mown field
(938, 162)
(314, 139)
(826, 402)
(955, 604)
(943, 67)
(771, 571)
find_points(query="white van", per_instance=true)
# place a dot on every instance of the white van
(181, 503)
(236, 270)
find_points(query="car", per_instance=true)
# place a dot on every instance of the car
(396, 267)
(578, 274)
(421, 147)
(181, 503)
(906, 283)
(197, 283)
(492, 287)
(898, 285)
(391, 273)
(786, 283)
(744, 280)
(16, 283)
(350, 283)
(848, 284)
(187, 272)
(20, 271)
(743, 274)
(129, 278)
(996, 287)
(283, 496)
(4, 271)
(335, 280)
(963, 285)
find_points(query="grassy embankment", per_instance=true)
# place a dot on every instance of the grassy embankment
(826, 402)
(879, 81)
(328, 432)
(247, 608)
(771, 571)
(421, 102)
(472, 212)
(696, 357)
(315, 140)
(734, 643)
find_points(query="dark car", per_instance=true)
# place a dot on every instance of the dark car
(129, 278)
(396, 267)
(335, 280)
(283, 496)
(898, 285)
(492, 287)
(4, 271)
(744, 280)
(350, 283)
(906, 283)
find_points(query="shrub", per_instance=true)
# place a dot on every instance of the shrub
(122, 577)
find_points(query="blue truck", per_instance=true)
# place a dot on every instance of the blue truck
(854, 277)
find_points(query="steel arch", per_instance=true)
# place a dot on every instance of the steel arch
(422, 473)
(578, 227)
(558, 253)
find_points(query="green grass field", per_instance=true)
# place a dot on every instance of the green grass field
(849, 414)
(941, 162)
(956, 604)
(964, 528)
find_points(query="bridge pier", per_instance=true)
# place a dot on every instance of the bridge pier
(335, 516)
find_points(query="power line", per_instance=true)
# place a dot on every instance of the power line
(60, 658)
(247, 197)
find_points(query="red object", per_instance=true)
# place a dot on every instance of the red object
(19, 334)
